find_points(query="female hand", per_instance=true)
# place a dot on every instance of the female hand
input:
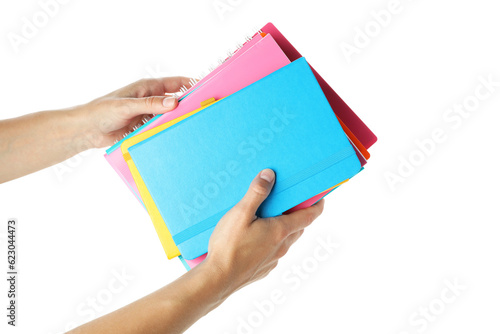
(242, 249)
(110, 117)
(35, 141)
(245, 248)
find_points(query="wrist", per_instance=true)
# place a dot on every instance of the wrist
(86, 134)
(217, 277)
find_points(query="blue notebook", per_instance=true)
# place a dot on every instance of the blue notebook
(199, 168)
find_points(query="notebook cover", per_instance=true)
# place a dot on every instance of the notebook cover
(308, 148)
(260, 60)
(160, 226)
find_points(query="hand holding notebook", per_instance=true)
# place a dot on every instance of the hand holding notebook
(245, 248)
(349, 123)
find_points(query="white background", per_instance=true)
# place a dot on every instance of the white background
(79, 224)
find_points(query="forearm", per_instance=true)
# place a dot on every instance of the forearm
(242, 249)
(172, 309)
(40, 140)
(36, 141)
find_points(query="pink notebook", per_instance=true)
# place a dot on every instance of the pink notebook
(254, 62)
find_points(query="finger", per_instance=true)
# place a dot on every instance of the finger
(160, 86)
(147, 105)
(136, 122)
(173, 84)
(257, 192)
(292, 238)
(287, 243)
(265, 270)
(261, 272)
(154, 86)
(300, 219)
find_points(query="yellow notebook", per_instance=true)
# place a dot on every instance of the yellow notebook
(161, 228)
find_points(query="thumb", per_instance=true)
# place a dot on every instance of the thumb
(150, 105)
(258, 191)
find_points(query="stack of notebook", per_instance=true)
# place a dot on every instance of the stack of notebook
(263, 107)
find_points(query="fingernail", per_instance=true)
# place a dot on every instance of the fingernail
(169, 102)
(268, 175)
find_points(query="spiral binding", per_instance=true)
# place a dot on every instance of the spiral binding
(212, 67)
